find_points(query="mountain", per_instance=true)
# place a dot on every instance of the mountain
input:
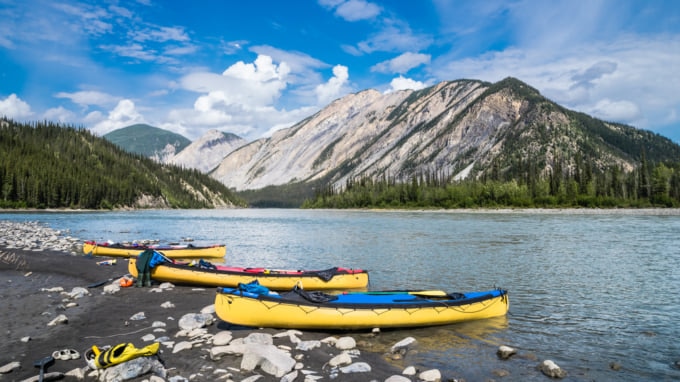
(48, 165)
(464, 128)
(207, 152)
(151, 142)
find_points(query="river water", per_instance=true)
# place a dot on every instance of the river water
(587, 290)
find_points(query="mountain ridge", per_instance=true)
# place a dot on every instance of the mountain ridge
(462, 127)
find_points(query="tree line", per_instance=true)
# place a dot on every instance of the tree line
(648, 185)
(50, 165)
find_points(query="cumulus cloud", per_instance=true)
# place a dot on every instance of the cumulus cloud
(402, 63)
(124, 114)
(13, 107)
(60, 114)
(242, 99)
(335, 87)
(401, 83)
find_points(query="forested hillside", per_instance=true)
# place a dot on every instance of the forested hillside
(648, 185)
(48, 165)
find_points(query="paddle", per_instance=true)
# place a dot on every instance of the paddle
(43, 364)
(100, 283)
(422, 293)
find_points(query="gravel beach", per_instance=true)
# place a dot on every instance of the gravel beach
(49, 302)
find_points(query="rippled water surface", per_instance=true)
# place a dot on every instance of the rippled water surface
(586, 290)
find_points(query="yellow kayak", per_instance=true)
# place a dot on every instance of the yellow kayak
(172, 251)
(301, 309)
(227, 276)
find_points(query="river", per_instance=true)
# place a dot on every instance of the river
(587, 290)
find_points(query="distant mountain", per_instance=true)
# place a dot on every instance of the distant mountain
(151, 142)
(205, 153)
(464, 129)
(48, 165)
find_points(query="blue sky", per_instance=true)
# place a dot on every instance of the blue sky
(252, 67)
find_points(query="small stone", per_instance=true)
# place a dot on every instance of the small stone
(340, 359)
(167, 305)
(411, 370)
(358, 367)
(10, 367)
(550, 369)
(184, 345)
(138, 316)
(60, 319)
(432, 375)
(25, 339)
(505, 352)
(345, 343)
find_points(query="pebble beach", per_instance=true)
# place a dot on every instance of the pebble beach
(56, 301)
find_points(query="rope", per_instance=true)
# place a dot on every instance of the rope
(121, 334)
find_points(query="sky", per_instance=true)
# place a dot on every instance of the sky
(253, 67)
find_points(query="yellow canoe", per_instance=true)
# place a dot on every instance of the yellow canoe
(171, 251)
(299, 309)
(226, 276)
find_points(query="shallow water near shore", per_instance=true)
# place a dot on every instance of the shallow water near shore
(586, 289)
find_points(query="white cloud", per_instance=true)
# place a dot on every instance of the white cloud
(355, 10)
(60, 114)
(124, 114)
(395, 36)
(631, 80)
(401, 83)
(241, 100)
(89, 97)
(335, 87)
(13, 107)
(402, 63)
(609, 110)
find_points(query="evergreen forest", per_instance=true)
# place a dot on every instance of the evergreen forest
(648, 185)
(50, 165)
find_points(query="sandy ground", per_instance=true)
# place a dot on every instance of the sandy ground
(98, 319)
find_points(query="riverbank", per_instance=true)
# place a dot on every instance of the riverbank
(55, 298)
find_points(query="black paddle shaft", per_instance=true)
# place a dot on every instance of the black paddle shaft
(43, 364)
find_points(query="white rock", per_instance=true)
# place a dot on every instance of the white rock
(52, 290)
(398, 378)
(222, 338)
(432, 375)
(9, 367)
(218, 352)
(340, 359)
(78, 292)
(138, 316)
(403, 344)
(195, 320)
(308, 345)
(184, 345)
(551, 369)
(269, 358)
(60, 319)
(167, 305)
(358, 367)
(290, 377)
(148, 337)
(25, 339)
(345, 343)
(504, 352)
(210, 309)
(411, 370)
(78, 374)
(111, 289)
(158, 324)
(166, 286)
(259, 338)
(252, 378)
